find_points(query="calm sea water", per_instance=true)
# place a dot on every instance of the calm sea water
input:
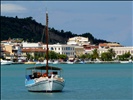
(83, 82)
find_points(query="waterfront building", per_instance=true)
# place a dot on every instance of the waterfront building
(68, 50)
(31, 45)
(118, 50)
(89, 48)
(78, 40)
(79, 50)
(102, 50)
(12, 50)
(104, 47)
(32, 49)
(123, 50)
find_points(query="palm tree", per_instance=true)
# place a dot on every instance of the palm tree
(112, 52)
(95, 54)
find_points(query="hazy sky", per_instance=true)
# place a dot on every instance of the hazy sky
(110, 20)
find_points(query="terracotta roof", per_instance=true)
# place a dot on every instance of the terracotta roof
(33, 50)
(6, 51)
(103, 44)
(114, 44)
(89, 47)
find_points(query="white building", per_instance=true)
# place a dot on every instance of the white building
(32, 48)
(118, 50)
(68, 50)
(122, 50)
(78, 41)
(31, 45)
(89, 48)
(102, 50)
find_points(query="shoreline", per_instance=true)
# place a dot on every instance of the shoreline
(87, 62)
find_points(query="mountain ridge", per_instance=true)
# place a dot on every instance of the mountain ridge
(30, 30)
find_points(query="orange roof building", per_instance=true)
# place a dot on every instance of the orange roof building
(33, 50)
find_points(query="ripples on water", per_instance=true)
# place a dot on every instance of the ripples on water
(83, 82)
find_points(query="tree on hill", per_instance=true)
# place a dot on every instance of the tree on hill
(28, 28)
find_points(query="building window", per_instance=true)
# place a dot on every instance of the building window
(67, 53)
(52, 48)
(68, 48)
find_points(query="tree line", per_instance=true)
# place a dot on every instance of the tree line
(110, 55)
(42, 56)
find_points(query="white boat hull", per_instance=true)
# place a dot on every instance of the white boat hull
(44, 62)
(125, 62)
(4, 62)
(45, 85)
(69, 62)
(55, 62)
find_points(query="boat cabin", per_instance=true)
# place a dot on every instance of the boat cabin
(36, 72)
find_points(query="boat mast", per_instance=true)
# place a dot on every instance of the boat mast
(46, 33)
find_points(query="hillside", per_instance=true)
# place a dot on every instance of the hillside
(32, 31)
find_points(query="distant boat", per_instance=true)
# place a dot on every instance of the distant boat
(29, 62)
(5, 62)
(125, 61)
(81, 62)
(38, 62)
(97, 61)
(69, 62)
(50, 81)
(44, 62)
(56, 62)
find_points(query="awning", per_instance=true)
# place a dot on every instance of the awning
(44, 68)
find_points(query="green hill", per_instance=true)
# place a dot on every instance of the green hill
(32, 31)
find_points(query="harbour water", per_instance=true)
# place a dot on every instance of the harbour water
(83, 82)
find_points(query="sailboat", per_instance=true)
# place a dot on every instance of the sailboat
(44, 78)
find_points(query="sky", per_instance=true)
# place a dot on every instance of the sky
(108, 20)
